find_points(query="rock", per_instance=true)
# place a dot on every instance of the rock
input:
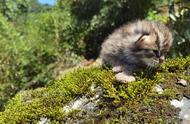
(187, 96)
(158, 89)
(44, 121)
(182, 82)
(184, 105)
(85, 103)
(185, 122)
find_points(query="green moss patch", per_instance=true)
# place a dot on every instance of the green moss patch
(121, 102)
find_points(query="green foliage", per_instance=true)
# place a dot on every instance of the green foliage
(38, 41)
(176, 14)
(181, 23)
(32, 52)
(7, 60)
(95, 19)
(11, 9)
(178, 64)
(98, 18)
(153, 15)
(130, 102)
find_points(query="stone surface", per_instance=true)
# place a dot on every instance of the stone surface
(182, 82)
(85, 103)
(44, 121)
(158, 89)
(184, 105)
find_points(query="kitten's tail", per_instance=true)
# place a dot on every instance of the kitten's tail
(84, 64)
(92, 63)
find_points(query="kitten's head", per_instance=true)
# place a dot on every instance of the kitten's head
(153, 43)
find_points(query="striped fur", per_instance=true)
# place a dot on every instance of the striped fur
(137, 44)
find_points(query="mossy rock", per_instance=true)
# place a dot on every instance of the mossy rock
(133, 102)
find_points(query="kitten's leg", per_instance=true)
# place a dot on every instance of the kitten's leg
(125, 75)
(117, 69)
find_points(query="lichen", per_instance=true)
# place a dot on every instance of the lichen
(121, 103)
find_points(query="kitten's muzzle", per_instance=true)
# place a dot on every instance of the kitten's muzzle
(161, 59)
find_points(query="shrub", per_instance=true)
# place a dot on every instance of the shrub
(98, 18)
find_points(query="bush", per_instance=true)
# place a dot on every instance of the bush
(33, 53)
(99, 18)
(176, 15)
(181, 24)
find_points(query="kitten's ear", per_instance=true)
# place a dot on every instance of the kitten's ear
(142, 38)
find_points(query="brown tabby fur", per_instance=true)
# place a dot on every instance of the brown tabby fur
(135, 45)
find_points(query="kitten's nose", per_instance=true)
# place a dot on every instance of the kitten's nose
(161, 59)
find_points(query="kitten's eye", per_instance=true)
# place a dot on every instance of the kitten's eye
(144, 50)
(164, 52)
(157, 53)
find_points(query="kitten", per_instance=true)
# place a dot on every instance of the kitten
(139, 44)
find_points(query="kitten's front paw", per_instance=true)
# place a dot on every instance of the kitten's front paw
(117, 69)
(123, 77)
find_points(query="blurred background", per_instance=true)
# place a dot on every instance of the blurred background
(40, 39)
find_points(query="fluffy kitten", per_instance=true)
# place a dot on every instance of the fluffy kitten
(138, 44)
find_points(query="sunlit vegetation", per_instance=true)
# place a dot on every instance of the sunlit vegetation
(38, 42)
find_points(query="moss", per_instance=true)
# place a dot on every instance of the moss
(121, 103)
(177, 65)
(30, 106)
